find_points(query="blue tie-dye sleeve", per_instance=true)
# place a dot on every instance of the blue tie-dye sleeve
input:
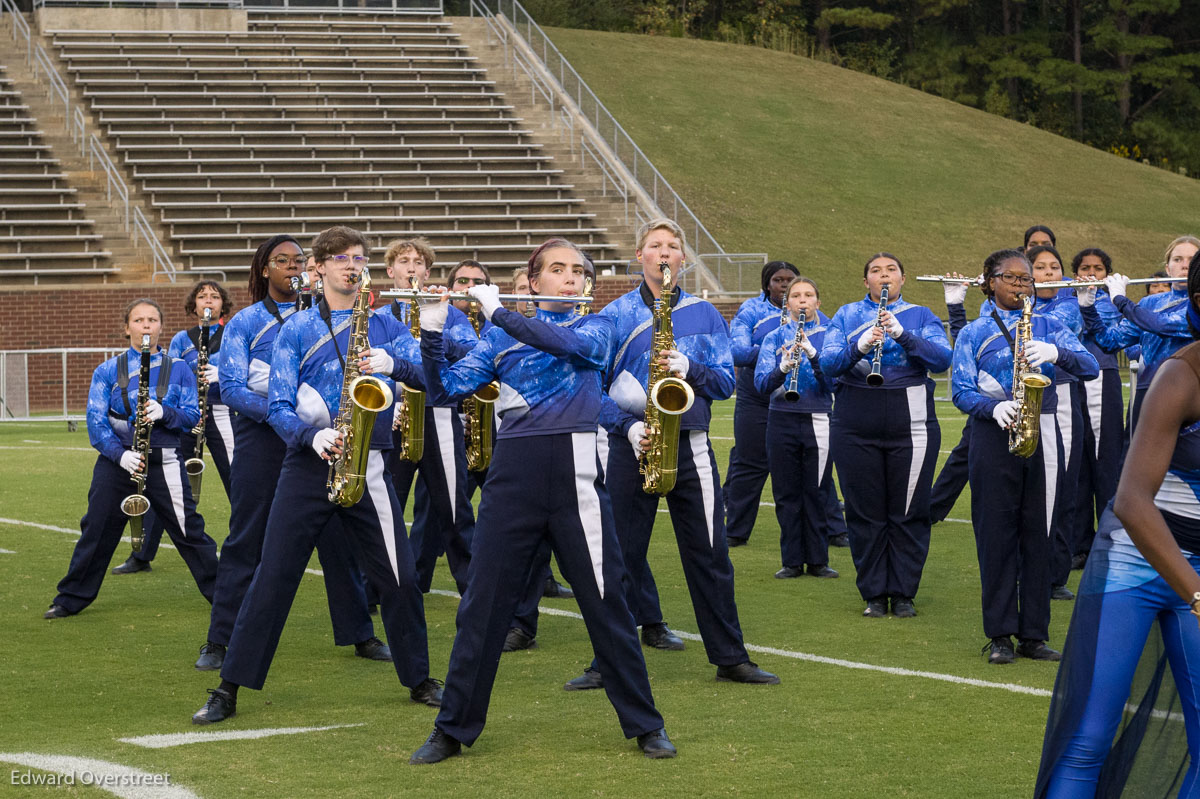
(1134, 352)
(741, 337)
(767, 376)
(179, 343)
(234, 364)
(1160, 317)
(613, 418)
(957, 314)
(1073, 357)
(927, 344)
(282, 388)
(181, 405)
(458, 336)
(710, 361)
(446, 382)
(838, 353)
(1113, 335)
(588, 344)
(964, 376)
(100, 432)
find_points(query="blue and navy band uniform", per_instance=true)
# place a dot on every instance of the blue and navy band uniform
(695, 503)
(218, 426)
(885, 440)
(1120, 598)
(245, 367)
(797, 443)
(443, 520)
(111, 414)
(550, 371)
(1012, 498)
(952, 478)
(304, 394)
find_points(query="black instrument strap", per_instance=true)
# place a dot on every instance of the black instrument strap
(270, 305)
(326, 317)
(399, 310)
(1012, 345)
(123, 382)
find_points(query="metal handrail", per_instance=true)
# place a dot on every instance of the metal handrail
(282, 5)
(20, 26)
(163, 265)
(6, 414)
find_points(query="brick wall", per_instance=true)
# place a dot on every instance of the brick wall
(35, 318)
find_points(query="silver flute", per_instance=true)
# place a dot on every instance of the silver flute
(1053, 284)
(433, 296)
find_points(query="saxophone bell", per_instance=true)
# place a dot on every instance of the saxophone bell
(479, 428)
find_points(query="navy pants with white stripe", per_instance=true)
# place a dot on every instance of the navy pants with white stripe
(798, 451)
(219, 441)
(563, 500)
(699, 522)
(885, 444)
(443, 519)
(300, 512)
(1101, 407)
(103, 523)
(1062, 526)
(255, 479)
(1012, 506)
(748, 467)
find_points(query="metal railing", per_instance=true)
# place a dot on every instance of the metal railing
(366, 6)
(617, 142)
(43, 67)
(15, 382)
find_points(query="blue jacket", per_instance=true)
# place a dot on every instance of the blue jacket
(183, 349)
(755, 318)
(907, 361)
(1158, 323)
(814, 388)
(1064, 307)
(982, 375)
(700, 333)
(550, 369)
(245, 362)
(110, 421)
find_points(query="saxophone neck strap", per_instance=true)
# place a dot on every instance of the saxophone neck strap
(327, 318)
(1004, 329)
(273, 308)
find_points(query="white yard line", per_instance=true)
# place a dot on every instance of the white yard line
(182, 738)
(54, 449)
(120, 780)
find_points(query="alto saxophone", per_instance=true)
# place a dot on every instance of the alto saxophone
(667, 399)
(363, 398)
(195, 464)
(136, 504)
(410, 418)
(1028, 385)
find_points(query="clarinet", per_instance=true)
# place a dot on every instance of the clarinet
(876, 376)
(136, 504)
(194, 466)
(792, 392)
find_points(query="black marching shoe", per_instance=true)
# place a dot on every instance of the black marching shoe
(902, 607)
(747, 672)
(1037, 650)
(373, 649)
(788, 572)
(822, 571)
(656, 745)
(876, 608)
(57, 612)
(556, 590)
(999, 650)
(1078, 561)
(437, 747)
(840, 540)
(735, 542)
(1061, 592)
(429, 693)
(132, 565)
(212, 657)
(660, 636)
(220, 706)
(517, 639)
(589, 680)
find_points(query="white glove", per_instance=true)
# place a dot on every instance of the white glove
(956, 293)
(211, 375)
(893, 327)
(637, 431)
(1005, 412)
(788, 362)
(396, 413)
(864, 341)
(154, 411)
(378, 362)
(323, 441)
(131, 461)
(1135, 366)
(1040, 352)
(488, 296)
(433, 316)
(677, 363)
(807, 348)
(1116, 285)
(1086, 295)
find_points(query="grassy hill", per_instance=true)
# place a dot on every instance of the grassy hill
(824, 166)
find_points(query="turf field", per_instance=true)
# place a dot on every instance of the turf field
(123, 668)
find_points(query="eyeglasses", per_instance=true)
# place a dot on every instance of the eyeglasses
(469, 281)
(342, 260)
(1014, 279)
(284, 261)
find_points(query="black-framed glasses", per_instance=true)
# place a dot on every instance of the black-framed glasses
(1016, 279)
(284, 261)
(342, 260)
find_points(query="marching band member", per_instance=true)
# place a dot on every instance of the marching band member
(218, 424)
(886, 437)
(306, 386)
(1038, 236)
(1012, 497)
(748, 468)
(788, 371)
(111, 417)
(551, 370)
(1144, 568)
(245, 368)
(701, 357)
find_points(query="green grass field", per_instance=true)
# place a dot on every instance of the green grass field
(123, 668)
(824, 166)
